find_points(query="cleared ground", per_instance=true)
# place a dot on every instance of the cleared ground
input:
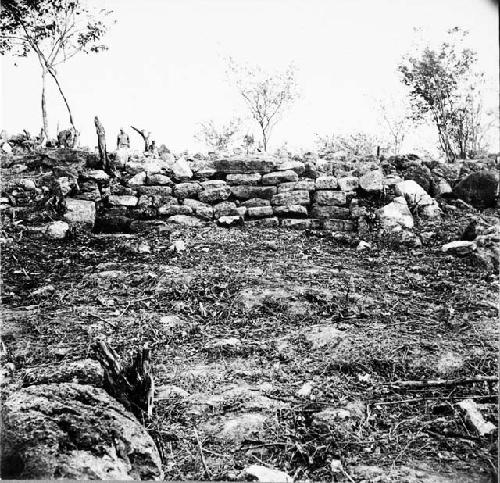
(260, 313)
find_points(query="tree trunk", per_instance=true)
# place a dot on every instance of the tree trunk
(44, 108)
(53, 74)
(264, 139)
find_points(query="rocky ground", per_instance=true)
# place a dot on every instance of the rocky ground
(281, 348)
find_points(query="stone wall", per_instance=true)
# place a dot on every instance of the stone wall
(256, 190)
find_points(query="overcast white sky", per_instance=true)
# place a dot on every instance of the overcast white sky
(165, 71)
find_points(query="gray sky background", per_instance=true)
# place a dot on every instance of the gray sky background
(165, 69)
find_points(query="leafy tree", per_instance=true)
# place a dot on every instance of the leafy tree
(218, 138)
(55, 31)
(439, 79)
(267, 95)
(355, 144)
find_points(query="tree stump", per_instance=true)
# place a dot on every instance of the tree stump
(132, 385)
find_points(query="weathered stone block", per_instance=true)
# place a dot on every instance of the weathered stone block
(214, 194)
(296, 224)
(170, 210)
(200, 209)
(290, 210)
(330, 198)
(80, 211)
(258, 163)
(247, 192)
(187, 190)
(301, 185)
(244, 178)
(279, 177)
(330, 211)
(291, 198)
(263, 222)
(256, 202)
(162, 191)
(260, 211)
(225, 208)
(348, 183)
(327, 183)
(124, 200)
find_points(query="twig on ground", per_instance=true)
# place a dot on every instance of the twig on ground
(202, 456)
(442, 382)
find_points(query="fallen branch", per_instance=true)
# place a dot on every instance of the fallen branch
(442, 382)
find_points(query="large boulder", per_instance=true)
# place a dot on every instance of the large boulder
(74, 432)
(396, 215)
(479, 189)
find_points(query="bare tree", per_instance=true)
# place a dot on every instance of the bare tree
(145, 136)
(267, 95)
(56, 31)
(396, 119)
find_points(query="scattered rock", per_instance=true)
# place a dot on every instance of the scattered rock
(363, 246)
(229, 221)
(475, 418)
(43, 291)
(229, 344)
(178, 246)
(396, 215)
(237, 428)
(460, 247)
(265, 474)
(324, 335)
(305, 390)
(181, 170)
(185, 220)
(170, 392)
(57, 230)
